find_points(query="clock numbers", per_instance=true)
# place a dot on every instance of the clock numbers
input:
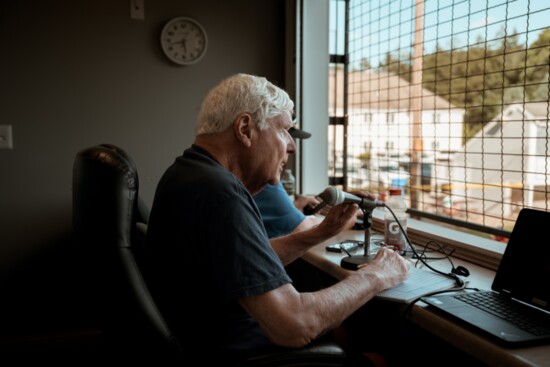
(184, 41)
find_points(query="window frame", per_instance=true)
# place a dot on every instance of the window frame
(313, 21)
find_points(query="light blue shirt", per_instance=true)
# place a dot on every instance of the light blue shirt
(279, 214)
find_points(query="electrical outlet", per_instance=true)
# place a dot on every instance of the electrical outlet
(6, 140)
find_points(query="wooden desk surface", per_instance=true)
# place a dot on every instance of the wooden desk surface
(447, 329)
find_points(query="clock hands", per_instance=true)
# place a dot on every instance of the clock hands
(183, 42)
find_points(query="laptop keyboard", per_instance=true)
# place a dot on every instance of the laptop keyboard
(508, 310)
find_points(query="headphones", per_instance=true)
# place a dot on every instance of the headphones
(461, 270)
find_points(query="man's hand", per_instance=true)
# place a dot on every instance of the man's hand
(362, 194)
(301, 201)
(388, 267)
(339, 218)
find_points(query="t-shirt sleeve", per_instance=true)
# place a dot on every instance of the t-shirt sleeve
(244, 263)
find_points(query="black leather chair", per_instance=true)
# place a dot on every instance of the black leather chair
(110, 224)
(110, 220)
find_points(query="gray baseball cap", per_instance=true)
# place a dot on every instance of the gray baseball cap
(298, 134)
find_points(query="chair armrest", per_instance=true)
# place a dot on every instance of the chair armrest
(316, 354)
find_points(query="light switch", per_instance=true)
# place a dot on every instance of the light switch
(6, 140)
(137, 9)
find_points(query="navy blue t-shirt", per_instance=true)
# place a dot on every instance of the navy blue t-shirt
(207, 248)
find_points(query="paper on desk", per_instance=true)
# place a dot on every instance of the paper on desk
(420, 282)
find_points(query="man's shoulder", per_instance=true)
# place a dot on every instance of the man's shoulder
(201, 175)
(195, 163)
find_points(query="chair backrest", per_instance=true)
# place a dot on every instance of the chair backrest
(110, 220)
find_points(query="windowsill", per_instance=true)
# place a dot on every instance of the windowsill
(477, 250)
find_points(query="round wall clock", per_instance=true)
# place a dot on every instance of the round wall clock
(183, 40)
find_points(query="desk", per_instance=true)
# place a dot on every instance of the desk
(468, 340)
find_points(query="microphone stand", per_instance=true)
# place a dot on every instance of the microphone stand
(354, 262)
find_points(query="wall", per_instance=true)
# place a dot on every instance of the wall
(80, 73)
(314, 78)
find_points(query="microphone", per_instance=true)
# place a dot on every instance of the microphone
(310, 210)
(332, 196)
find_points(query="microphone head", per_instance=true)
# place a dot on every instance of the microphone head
(332, 196)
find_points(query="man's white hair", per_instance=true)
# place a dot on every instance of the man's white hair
(241, 93)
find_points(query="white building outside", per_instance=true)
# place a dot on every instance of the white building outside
(380, 122)
(506, 164)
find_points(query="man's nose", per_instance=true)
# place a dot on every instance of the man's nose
(291, 146)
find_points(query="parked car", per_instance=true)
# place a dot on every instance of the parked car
(388, 174)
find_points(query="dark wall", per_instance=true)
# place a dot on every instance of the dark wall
(80, 73)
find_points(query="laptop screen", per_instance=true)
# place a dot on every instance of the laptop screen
(524, 271)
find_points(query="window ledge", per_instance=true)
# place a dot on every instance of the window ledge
(478, 250)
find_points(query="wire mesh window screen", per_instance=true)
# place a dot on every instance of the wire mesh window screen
(447, 99)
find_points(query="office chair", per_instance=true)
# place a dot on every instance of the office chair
(110, 223)
(110, 220)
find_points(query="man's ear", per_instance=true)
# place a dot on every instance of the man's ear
(243, 127)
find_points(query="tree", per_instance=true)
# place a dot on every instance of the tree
(483, 79)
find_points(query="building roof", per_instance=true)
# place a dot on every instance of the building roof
(375, 90)
(538, 109)
(533, 111)
(513, 114)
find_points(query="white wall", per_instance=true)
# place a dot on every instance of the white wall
(315, 95)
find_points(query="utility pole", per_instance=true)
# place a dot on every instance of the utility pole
(416, 105)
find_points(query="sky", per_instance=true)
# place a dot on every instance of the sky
(379, 26)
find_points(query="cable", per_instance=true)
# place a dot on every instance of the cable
(453, 274)
(344, 249)
(458, 270)
(441, 249)
(456, 289)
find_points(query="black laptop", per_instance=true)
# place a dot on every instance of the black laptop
(521, 285)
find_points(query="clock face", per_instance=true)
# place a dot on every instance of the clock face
(183, 40)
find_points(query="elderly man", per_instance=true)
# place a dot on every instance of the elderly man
(217, 277)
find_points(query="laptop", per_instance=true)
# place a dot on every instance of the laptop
(522, 281)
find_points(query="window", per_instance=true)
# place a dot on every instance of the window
(391, 117)
(466, 84)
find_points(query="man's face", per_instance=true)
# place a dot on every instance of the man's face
(273, 147)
